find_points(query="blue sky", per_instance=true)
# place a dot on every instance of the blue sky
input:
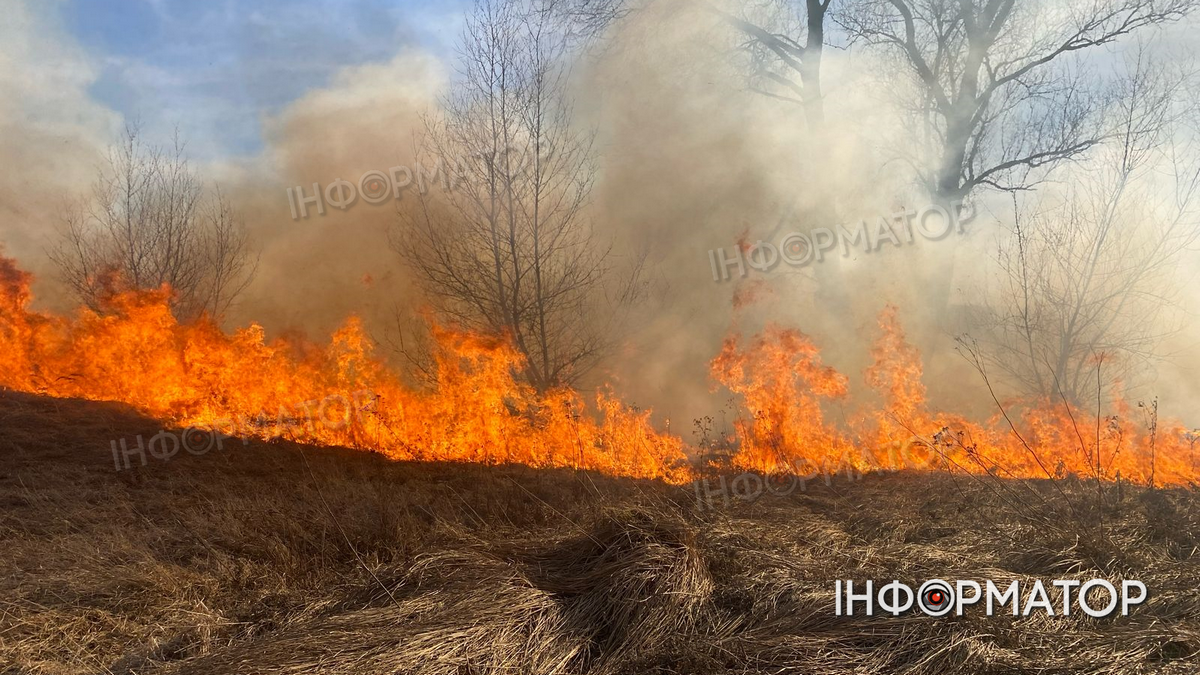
(213, 69)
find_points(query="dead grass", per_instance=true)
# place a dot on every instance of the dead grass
(272, 558)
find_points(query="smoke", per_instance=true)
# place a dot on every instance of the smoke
(316, 269)
(312, 272)
(52, 134)
(691, 160)
(695, 160)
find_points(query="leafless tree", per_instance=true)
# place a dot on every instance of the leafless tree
(149, 222)
(510, 248)
(785, 45)
(1002, 89)
(1088, 278)
(582, 20)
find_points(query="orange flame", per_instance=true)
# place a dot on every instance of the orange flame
(783, 384)
(192, 374)
(782, 381)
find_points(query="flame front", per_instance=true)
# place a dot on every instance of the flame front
(192, 374)
(782, 381)
(134, 351)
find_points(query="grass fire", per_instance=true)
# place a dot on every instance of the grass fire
(355, 338)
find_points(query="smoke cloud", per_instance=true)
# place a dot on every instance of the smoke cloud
(691, 160)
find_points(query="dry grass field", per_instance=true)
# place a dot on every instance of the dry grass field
(280, 558)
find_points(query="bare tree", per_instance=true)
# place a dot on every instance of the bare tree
(581, 20)
(1002, 92)
(1089, 280)
(785, 46)
(150, 222)
(511, 249)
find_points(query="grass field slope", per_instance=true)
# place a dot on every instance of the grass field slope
(280, 558)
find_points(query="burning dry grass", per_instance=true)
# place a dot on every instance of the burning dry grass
(274, 558)
(477, 408)
(134, 350)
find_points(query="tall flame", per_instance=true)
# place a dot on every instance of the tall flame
(132, 349)
(781, 379)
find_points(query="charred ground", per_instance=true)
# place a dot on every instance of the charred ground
(282, 558)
